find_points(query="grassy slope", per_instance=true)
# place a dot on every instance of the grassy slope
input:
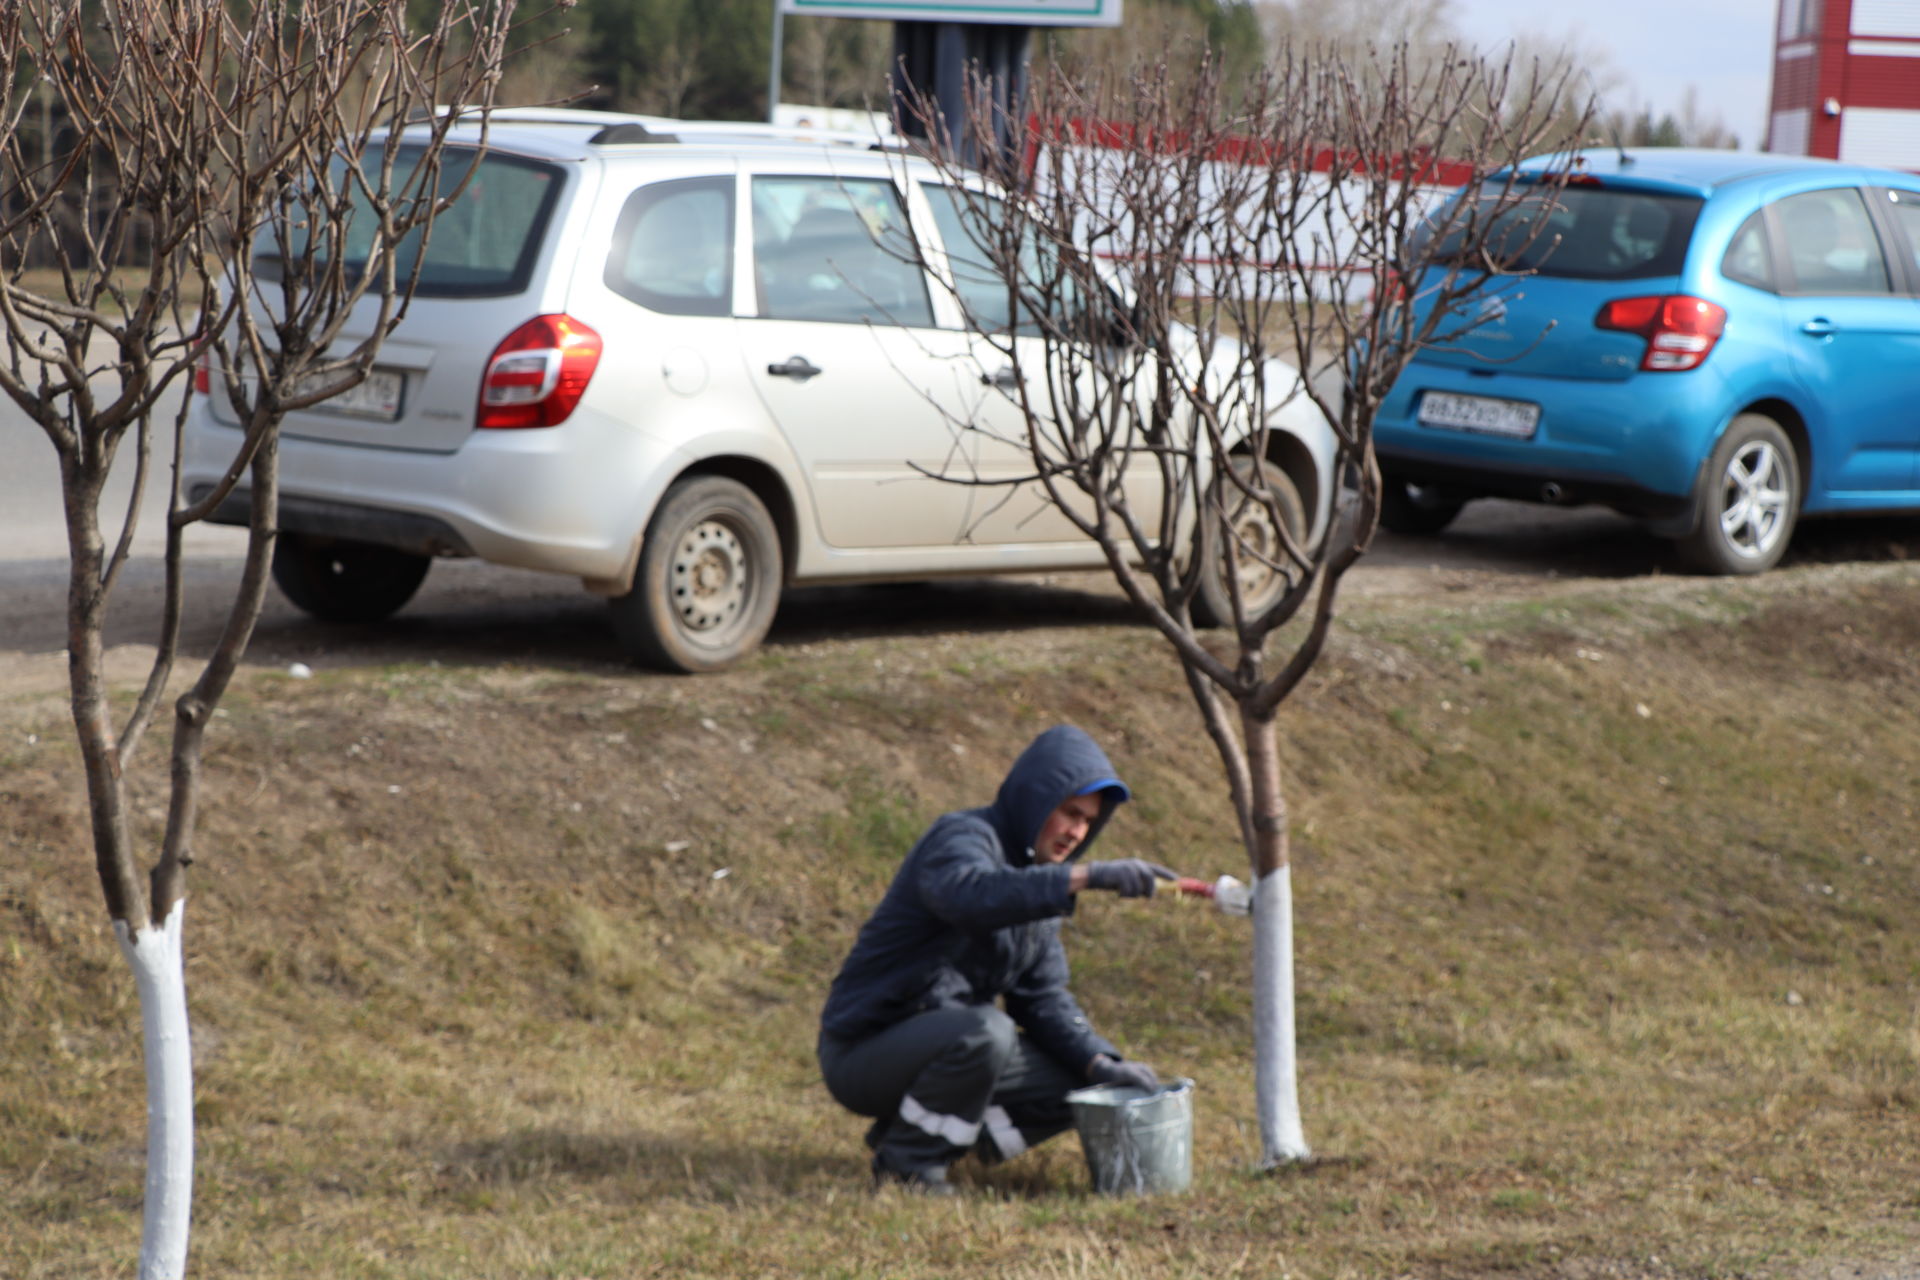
(1606, 957)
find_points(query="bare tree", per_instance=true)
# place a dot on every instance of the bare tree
(266, 228)
(1173, 284)
(1426, 27)
(1170, 32)
(546, 71)
(1638, 127)
(676, 69)
(837, 62)
(1431, 33)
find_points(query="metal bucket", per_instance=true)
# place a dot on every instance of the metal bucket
(1136, 1141)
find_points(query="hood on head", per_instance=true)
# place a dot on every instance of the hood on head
(1061, 762)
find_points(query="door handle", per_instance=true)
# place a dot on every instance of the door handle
(1006, 379)
(1819, 327)
(796, 367)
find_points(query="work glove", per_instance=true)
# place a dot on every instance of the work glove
(1128, 877)
(1108, 1070)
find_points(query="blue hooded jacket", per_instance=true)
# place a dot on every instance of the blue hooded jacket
(971, 917)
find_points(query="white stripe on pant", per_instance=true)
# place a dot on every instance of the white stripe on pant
(961, 1133)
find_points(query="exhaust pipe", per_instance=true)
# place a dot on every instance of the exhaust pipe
(1552, 493)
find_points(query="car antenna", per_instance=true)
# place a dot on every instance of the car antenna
(1613, 127)
(1612, 121)
(1613, 131)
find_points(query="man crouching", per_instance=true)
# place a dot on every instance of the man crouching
(911, 1033)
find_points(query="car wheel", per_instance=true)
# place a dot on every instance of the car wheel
(1408, 508)
(340, 581)
(708, 580)
(1261, 560)
(1750, 502)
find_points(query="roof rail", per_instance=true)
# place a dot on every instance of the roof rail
(622, 128)
(735, 132)
(561, 115)
(621, 133)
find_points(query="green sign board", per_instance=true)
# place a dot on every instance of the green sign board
(1029, 13)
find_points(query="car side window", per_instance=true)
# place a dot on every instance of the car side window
(1906, 216)
(837, 250)
(672, 247)
(980, 290)
(959, 217)
(1749, 260)
(1830, 243)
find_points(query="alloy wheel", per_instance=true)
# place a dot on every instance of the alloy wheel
(1755, 499)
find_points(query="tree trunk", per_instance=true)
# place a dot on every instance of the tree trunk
(1276, 1078)
(1276, 1073)
(159, 973)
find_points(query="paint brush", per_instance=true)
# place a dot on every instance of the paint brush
(1227, 893)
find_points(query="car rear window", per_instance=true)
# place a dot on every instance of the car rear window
(1588, 233)
(1749, 259)
(482, 247)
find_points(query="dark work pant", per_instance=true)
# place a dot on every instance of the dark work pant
(947, 1081)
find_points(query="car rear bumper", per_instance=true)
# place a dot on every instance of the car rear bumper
(1636, 444)
(568, 499)
(403, 530)
(1536, 484)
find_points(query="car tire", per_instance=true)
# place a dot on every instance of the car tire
(1750, 500)
(340, 581)
(1261, 584)
(1415, 509)
(708, 580)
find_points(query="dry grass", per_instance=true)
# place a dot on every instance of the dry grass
(47, 282)
(1606, 958)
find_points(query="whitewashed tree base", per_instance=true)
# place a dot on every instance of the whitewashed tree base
(160, 975)
(1276, 1076)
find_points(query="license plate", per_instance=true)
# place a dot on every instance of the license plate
(1514, 418)
(377, 397)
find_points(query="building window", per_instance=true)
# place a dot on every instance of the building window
(1799, 19)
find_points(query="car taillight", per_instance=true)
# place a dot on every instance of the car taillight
(203, 375)
(538, 373)
(1680, 330)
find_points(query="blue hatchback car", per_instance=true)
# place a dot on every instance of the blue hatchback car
(1716, 342)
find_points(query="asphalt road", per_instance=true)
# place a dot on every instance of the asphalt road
(471, 612)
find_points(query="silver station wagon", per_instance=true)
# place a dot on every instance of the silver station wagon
(681, 363)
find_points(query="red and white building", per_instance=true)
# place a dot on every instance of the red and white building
(1846, 81)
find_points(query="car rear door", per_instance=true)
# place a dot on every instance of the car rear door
(1897, 210)
(1853, 334)
(841, 344)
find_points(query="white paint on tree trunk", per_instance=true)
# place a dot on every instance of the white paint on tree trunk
(160, 975)
(1276, 1076)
